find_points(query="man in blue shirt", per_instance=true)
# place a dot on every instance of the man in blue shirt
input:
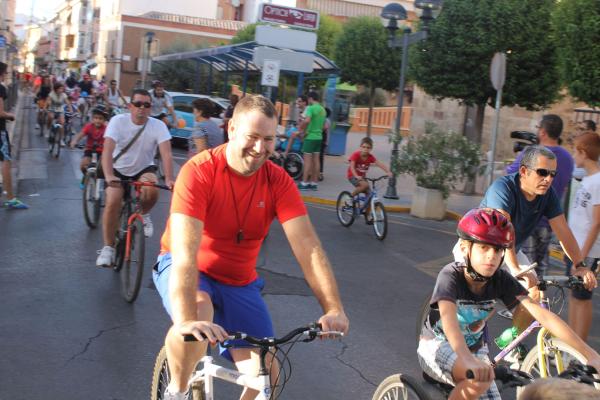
(525, 197)
(535, 246)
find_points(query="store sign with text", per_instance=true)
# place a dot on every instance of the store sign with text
(289, 16)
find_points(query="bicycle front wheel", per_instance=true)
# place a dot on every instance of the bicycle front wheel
(558, 356)
(422, 316)
(121, 237)
(133, 268)
(161, 377)
(380, 224)
(345, 208)
(400, 387)
(91, 204)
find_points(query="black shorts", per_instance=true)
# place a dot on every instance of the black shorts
(90, 153)
(150, 168)
(4, 146)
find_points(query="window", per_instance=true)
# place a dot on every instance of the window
(183, 104)
(69, 41)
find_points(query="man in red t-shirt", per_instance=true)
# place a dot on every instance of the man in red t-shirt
(223, 203)
(360, 161)
(94, 133)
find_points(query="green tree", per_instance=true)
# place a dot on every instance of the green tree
(177, 75)
(365, 59)
(328, 33)
(245, 35)
(454, 61)
(576, 26)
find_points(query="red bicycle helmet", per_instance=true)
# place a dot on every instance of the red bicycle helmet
(486, 225)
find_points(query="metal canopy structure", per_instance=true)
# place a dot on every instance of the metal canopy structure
(238, 59)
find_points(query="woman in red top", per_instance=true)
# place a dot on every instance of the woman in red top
(94, 131)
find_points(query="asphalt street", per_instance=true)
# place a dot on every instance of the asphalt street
(65, 332)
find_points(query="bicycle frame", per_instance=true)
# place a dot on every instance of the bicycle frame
(370, 200)
(261, 383)
(541, 345)
(134, 215)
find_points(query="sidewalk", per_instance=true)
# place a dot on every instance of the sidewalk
(14, 136)
(335, 181)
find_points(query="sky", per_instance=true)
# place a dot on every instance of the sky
(41, 8)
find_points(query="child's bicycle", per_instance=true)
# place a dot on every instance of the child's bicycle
(402, 387)
(550, 357)
(130, 242)
(54, 142)
(348, 208)
(201, 382)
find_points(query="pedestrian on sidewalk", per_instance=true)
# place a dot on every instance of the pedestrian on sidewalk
(312, 126)
(5, 156)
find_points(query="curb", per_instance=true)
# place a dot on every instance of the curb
(452, 215)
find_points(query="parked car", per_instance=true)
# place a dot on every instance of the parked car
(182, 102)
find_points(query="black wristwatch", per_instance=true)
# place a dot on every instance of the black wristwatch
(580, 264)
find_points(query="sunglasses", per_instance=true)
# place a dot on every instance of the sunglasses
(543, 172)
(140, 104)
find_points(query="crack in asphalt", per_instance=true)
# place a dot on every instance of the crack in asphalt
(91, 339)
(338, 357)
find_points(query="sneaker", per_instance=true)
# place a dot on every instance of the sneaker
(304, 186)
(148, 227)
(81, 185)
(106, 257)
(16, 204)
(506, 314)
(313, 186)
(168, 395)
(37, 126)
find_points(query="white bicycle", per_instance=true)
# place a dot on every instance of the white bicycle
(201, 383)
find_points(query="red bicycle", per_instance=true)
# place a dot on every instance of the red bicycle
(130, 240)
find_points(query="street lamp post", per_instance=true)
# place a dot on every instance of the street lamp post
(149, 39)
(395, 12)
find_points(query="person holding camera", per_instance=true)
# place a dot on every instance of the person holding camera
(549, 130)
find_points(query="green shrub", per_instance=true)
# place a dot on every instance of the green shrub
(438, 159)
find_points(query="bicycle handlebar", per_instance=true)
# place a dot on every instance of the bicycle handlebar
(575, 371)
(313, 331)
(377, 179)
(570, 282)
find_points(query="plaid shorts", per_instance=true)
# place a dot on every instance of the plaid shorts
(437, 359)
(4, 147)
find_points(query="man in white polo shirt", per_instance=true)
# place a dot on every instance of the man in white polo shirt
(137, 163)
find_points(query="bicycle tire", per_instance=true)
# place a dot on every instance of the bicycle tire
(42, 122)
(120, 237)
(345, 213)
(380, 223)
(554, 347)
(399, 386)
(133, 269)
(422, 316)
(91, 204)
(161, 378)
(294, 165)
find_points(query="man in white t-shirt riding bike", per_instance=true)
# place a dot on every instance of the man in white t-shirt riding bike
(136, 162)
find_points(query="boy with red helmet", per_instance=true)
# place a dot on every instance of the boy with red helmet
(463, 300)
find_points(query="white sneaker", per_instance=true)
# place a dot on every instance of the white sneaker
(148, 227)
(506, 314)
(37, 126)
(168, 395)
(106, 259)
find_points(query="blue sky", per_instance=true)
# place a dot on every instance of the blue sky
(41, 8)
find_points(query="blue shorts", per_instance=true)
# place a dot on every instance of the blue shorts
(236, 308)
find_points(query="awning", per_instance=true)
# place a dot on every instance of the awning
(237, 58)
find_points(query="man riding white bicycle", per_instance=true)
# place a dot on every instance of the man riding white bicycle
(223, 204)
(131, 141)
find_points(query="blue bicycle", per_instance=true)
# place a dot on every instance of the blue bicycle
(369, 205)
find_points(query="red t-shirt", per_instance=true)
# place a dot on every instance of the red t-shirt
(362, 165)
(95, 136)
(203, 191)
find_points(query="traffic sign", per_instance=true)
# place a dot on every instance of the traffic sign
(295, 39)
(270, 73)
(289, 60)
(289, 16)
(498, 70)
